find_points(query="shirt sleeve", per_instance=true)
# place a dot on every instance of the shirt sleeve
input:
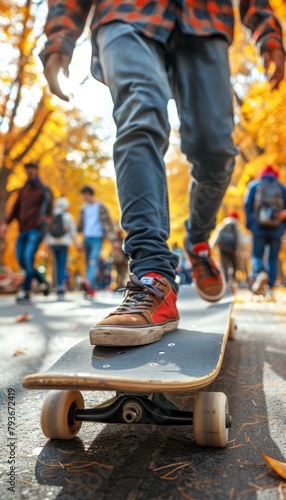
(14, 212)
(257, 15)
(65, 23)
(106, 222)
(47, 203)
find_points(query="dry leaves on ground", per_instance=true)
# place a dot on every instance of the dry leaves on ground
(277, 465)
(24, 317)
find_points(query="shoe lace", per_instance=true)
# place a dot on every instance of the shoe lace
(204, 266)
(139, 296)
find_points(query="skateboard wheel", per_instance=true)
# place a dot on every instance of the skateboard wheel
(211, 419)
(57, 414)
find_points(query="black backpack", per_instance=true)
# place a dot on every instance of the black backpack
(227, 240)
(56, 227)
(268, 203)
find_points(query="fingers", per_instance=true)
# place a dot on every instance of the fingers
(276, 56)
(55, 63)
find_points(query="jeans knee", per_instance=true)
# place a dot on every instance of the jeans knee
(214, 171)
(142, 116)
(210, 151)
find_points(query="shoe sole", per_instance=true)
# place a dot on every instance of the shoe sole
(211, 298)
(115, 336)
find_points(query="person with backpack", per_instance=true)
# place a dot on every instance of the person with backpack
(95, 224)
(32, 208)
(227, 236)
(265, 205)
(62, 232)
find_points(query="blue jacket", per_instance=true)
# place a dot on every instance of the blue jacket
(251, 223)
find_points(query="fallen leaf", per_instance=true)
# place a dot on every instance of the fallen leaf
(24, 317)
(19, 352)
(277, 465)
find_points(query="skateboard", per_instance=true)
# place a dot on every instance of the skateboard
(186, 360)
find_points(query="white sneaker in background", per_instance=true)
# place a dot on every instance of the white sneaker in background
(260, 283)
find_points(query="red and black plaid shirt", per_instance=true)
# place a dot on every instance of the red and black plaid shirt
(156, 19)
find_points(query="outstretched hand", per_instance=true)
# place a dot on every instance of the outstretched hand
(54, 64)
(276, 56)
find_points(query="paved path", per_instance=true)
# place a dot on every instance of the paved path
(139, 462)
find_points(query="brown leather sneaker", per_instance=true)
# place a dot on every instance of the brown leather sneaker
(146, 313)
(208, 279)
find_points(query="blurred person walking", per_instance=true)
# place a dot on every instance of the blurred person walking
(95, 224)
(62, 233)
(265, 206)
(32, 208)
(228, 237)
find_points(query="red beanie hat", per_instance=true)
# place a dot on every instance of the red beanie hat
(268, 170)
(233, 214)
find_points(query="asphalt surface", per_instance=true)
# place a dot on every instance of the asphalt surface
(143, 462)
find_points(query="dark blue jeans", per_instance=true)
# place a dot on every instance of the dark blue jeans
(142, 76)
(26, 247)
(60, 253)
(92, 247)
(262, 261)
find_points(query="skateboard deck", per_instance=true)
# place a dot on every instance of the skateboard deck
(188, 358)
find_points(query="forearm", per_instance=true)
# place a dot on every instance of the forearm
(13, 213)
(257, 15)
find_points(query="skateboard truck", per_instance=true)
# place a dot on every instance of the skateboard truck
(63, 413)
(136, 408)
(154, 408)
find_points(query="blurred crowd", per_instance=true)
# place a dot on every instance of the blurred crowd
(48, 221)
(249, 255)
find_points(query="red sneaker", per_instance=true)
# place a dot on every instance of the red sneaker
(146, 313)
(88, 291)
(209, 280)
